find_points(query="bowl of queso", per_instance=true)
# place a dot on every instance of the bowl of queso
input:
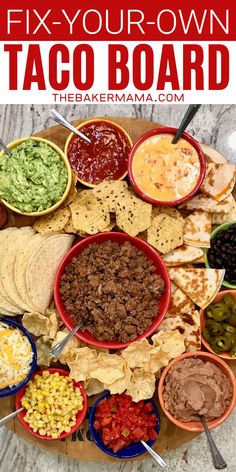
(163, 173)
(105, 157)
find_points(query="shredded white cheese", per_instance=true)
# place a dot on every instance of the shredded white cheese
(15, 356)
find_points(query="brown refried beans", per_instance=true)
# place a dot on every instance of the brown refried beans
(114, 288)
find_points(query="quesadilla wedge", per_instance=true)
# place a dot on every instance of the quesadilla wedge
(225, 206)
(212, 155)
(197, 229)
(219, 218)
(219, 180)
(200, 202)
(187, 324)
(205, 203)
(179, 302)
(201, 285)
(182, 255)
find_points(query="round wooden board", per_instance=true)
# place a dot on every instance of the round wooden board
(79, 445)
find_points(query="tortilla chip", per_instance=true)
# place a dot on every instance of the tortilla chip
(54, 222)
(165, 233)
(188, 324)
(82, 195)
(111, 192)
(158, 359)
(197, 229)
(69, 228)
(40, 325)
(120, 385)
(171, 343)
(219, 180)
(182, 255)
(109, 368)
(201, 285)
(137, 353)
(93, 387)
(90, 215)
(133, 215)
(173, 212)
(179, 303)
(200, 202)
(142, 385)
(70, 350)
(43, 352)
(85, 361)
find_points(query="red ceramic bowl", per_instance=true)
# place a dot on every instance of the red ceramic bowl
(185, 136)
(197, 425)
(79, 417)
(220, 295)
(120, 238)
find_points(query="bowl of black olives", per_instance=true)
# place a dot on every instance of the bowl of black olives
(222, 253)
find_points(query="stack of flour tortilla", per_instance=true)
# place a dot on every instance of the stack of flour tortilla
(28, 265)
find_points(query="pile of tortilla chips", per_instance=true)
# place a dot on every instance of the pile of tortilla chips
(133, 369)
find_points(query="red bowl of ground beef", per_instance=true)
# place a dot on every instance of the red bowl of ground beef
(117, 284)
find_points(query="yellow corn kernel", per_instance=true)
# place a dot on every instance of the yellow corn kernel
(67, 429)
(42, 432)
(45, 374)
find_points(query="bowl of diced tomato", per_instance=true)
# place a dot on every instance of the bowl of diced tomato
(118, 424)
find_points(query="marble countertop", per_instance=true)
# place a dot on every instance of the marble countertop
(214, 125)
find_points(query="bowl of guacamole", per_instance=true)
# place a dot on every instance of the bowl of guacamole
(36, 179)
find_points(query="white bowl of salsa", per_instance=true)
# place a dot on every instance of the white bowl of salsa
(163, 173)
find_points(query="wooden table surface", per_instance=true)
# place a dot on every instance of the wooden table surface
(213, 125)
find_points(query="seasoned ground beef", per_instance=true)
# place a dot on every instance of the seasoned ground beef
(114, 288)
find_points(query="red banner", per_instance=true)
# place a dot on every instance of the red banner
(134, 20)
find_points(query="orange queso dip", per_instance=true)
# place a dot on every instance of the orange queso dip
(165, 171)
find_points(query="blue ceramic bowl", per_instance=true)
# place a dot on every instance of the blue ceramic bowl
(133, 450)
(5, 392)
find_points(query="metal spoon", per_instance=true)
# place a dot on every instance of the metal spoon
(218, 461)
(190, 113)
(10, 416)
(56, 350)
(154, 454)
(56, 116)
(7, 151)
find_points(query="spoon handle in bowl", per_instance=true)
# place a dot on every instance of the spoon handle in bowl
(191, 111)
(56, 116)
(154, 454)
(5, 148)
(10, 416)
(56, 350)
(218, 461)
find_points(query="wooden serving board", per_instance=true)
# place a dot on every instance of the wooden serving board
(79, 445)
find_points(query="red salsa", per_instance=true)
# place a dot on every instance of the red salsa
(105, 158)
(122, 422)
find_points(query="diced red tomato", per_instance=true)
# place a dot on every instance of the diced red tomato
(123, 422)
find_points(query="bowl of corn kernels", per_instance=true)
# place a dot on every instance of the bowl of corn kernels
(55, 405)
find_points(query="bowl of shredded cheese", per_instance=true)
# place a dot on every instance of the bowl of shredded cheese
(18, 357)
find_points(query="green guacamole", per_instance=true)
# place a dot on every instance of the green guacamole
(34, 178)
